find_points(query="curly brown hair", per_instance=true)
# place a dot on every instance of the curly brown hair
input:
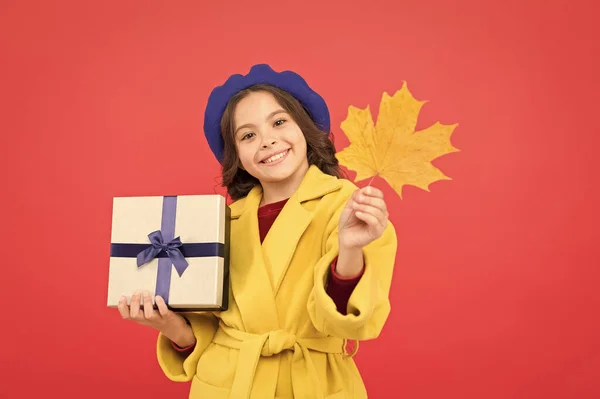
(320, 147)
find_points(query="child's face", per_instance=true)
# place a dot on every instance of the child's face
(270, 145)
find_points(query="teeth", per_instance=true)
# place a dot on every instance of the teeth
(275, 157)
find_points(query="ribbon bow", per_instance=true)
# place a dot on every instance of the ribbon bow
(171, 248)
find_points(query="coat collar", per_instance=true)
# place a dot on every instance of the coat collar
(314, 185)
(265, 266)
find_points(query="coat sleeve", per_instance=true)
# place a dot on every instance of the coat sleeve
(368, 306)
(177, 366)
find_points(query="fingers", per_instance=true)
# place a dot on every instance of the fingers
(136, 312)
(369, 198)
(134, 308)
(372, 192)
(149, 312)
(369, 219)
(162, 306)
(371, 208)
(379, 214)
(123, 307)
(352, 199)
(141, 308)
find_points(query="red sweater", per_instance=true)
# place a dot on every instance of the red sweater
(339, 289)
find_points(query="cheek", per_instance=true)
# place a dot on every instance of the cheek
(301, 141)
(297, 138)
(246, 155)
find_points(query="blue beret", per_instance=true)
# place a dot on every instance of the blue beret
(260, 74)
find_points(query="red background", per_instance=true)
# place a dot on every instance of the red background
(495, 291)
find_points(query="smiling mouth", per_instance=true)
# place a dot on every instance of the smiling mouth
(275, 157)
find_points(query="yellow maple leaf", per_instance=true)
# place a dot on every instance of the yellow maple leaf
(392, 149)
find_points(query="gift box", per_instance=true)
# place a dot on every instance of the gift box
(173, 246)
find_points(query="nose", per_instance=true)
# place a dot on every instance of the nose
(268, 142)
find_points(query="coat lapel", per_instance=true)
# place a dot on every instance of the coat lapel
(282, 238)
(258, 270)
(250, 283)
(281, 241)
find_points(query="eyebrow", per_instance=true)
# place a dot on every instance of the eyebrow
(272, 114)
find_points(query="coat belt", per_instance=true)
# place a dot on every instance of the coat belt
(305, 380)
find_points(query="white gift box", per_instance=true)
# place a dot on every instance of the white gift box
(173, 246)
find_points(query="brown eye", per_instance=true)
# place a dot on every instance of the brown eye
(247, 136)
(279, 122)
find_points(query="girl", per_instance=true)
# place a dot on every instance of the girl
(311, 259)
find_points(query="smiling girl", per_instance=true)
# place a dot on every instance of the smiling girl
(311, 259)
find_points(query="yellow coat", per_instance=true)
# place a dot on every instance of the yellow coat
(282, 336)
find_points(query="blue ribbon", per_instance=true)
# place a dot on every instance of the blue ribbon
(171, 248)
